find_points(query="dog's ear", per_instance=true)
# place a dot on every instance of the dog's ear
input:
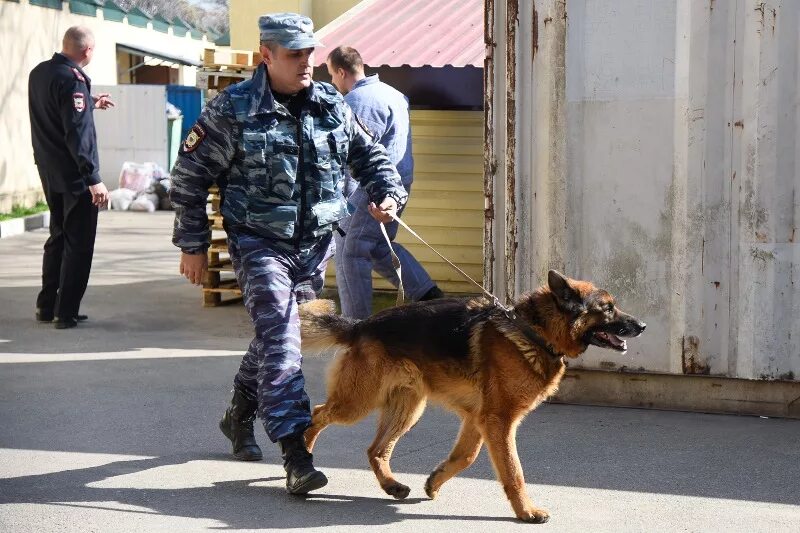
(565, 294)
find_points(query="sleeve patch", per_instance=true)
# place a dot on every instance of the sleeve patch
(195, 137)
(79, 102)
(364, 127)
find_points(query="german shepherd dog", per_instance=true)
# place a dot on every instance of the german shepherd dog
(488, 366)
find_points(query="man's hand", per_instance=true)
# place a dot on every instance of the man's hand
(102, 101)
(193, 267)
(386, 212)
(99, 194)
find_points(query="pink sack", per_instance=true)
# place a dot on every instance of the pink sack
(136, 177)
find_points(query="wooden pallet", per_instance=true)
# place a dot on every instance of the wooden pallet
(231, 59)
(222, 68)
(213, 296)
(219, 286)
(216, 80)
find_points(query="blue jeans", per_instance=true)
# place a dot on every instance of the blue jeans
(364, 249)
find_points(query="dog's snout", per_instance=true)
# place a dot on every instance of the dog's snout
(631, 328)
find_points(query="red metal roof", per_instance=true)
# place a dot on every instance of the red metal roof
(416, 33)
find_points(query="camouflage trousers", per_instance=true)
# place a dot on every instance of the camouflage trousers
(273, 283)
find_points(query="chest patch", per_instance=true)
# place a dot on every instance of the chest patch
(78, 102)
(194, 138)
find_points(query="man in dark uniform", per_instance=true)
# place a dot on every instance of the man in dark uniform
(65, 151)
(276, 145)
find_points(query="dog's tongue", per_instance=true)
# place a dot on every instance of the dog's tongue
(616, 341)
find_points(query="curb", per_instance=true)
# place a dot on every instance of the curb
(18, 226)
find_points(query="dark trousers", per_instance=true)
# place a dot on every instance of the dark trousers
(68, 252)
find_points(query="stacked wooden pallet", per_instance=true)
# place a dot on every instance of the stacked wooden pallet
(220, 69)
(220, 286)
(226, 67)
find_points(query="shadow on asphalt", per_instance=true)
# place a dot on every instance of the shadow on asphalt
(269, 506)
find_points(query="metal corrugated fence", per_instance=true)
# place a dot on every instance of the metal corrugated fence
(189, 100)
(446, 206)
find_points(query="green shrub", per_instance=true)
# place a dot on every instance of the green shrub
(19, 211)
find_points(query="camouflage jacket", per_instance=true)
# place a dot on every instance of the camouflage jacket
(278, 177)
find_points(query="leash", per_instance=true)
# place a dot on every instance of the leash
(509, 313)
(401, 293)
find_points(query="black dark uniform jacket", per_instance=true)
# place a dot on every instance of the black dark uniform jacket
(62, 125)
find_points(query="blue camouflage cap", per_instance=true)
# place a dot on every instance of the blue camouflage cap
(289, 30)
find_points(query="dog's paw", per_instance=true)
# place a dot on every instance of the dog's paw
(429, 487)
(534, 516)
(397, 490)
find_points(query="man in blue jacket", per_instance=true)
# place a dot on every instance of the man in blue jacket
(65, 150)
(276, 146)
(384, 112)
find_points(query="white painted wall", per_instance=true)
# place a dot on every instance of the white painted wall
(30, 34)
(659, 156)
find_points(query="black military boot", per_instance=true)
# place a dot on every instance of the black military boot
(237, 425)
(301, 477)
(433, 293)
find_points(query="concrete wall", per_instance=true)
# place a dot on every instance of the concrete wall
(30, 34)
(652, 147)
(244, 16)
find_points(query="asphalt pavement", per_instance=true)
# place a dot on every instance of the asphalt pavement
(112, 426)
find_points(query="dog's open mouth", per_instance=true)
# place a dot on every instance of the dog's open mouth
(607, 340)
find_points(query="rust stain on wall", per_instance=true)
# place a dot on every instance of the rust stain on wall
(690, 357)
(489, 158)
(535, 33)
(512, 20)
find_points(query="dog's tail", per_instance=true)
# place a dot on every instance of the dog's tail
(322, 328)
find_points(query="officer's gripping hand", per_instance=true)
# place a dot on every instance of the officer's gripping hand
(386, 212)
(99, 194)
(194, 266)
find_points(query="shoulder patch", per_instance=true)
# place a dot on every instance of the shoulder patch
(78, 75)
(78, 102)
(195, 137)
(364, 127)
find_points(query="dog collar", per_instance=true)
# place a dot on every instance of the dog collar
(530, 334)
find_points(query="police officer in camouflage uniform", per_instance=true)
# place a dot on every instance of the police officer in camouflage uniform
(276, 145)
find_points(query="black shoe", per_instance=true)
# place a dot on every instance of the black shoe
(432, 294)
(237, 425)
(44, 316)
(47, 316)
(65, 323)
(301, 477)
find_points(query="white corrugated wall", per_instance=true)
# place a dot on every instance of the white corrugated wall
(135, 129)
